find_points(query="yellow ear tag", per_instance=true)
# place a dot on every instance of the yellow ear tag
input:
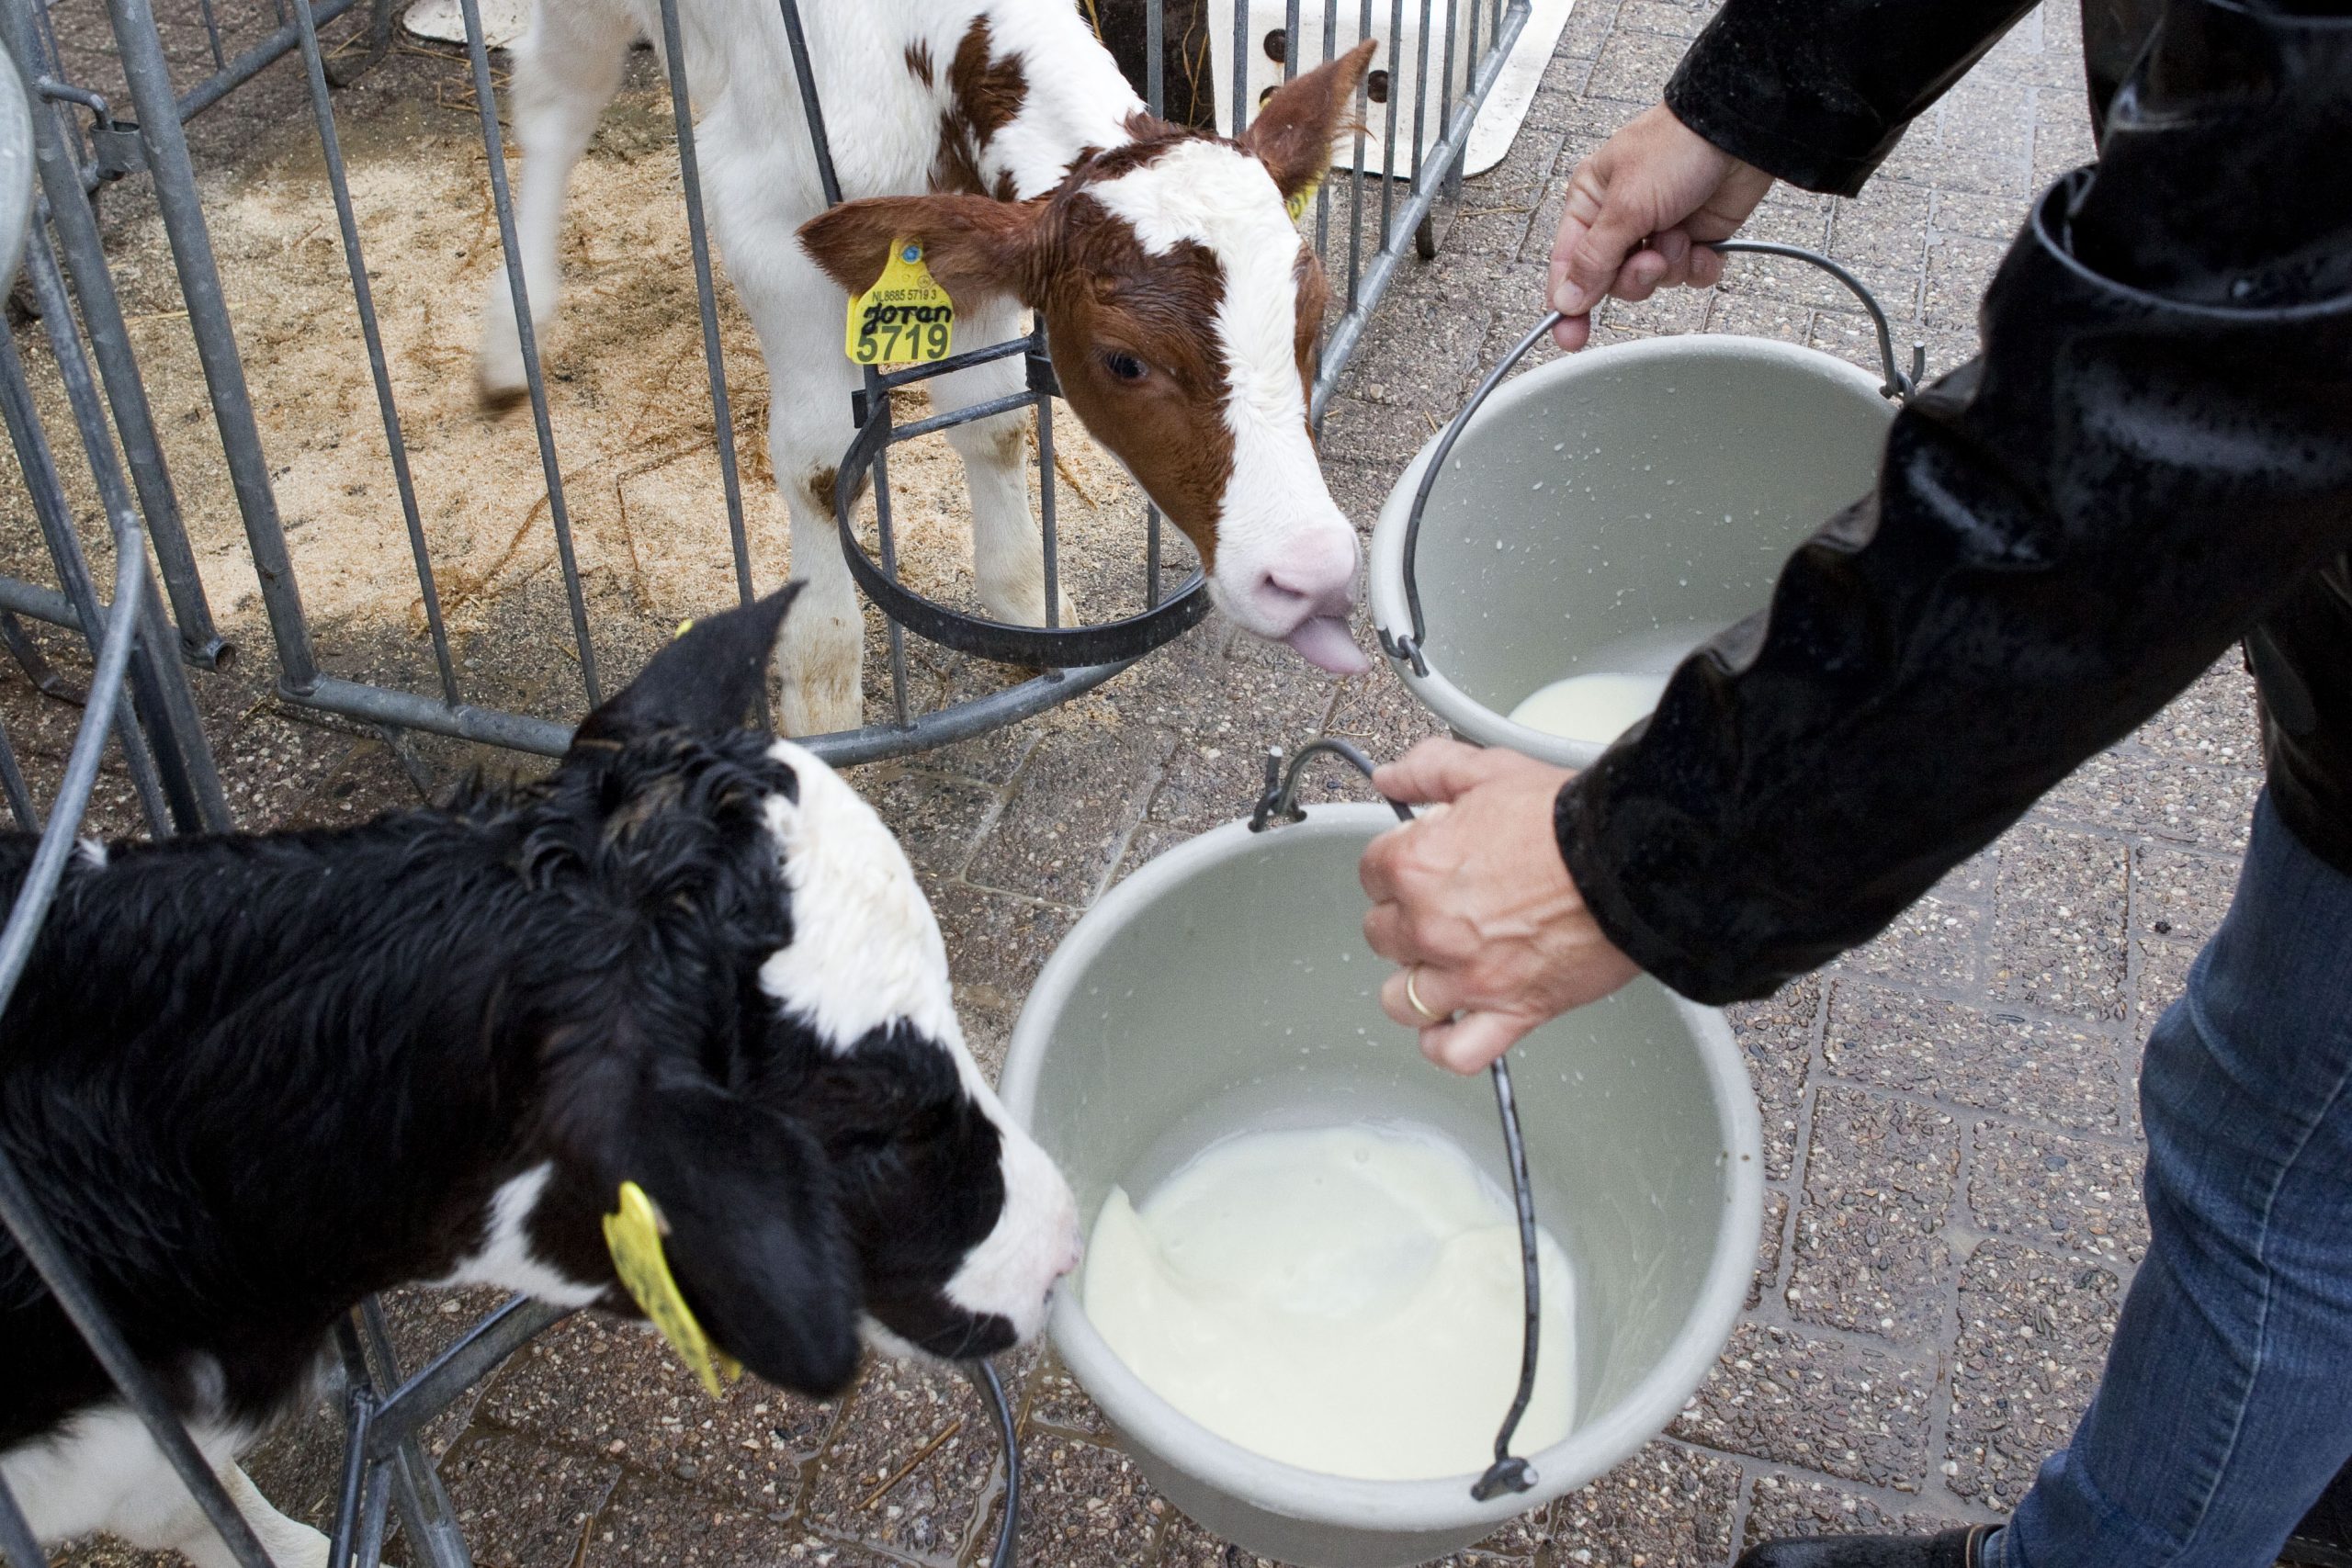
(634, 1237)
(1297, 206)
(906, 317)
(683, 626)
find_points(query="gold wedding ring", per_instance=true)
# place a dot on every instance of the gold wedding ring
(1413, 995)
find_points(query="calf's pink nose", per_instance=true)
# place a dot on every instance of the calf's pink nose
(1318, 570)
(1311, 583)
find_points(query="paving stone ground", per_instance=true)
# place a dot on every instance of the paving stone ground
(1953, 1148)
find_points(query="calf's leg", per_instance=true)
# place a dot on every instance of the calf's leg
(797, 313)
(1008, 560)
(566, 70)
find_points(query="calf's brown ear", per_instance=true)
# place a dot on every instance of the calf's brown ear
(978, 249)
(1295, 129)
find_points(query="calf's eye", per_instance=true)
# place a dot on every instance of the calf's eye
(1124, 367)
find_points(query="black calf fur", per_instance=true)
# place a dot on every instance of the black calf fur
(253, 1078)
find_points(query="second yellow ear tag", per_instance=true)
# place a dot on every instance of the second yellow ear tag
(1297, 206)
(634, 1238)
(906, 317)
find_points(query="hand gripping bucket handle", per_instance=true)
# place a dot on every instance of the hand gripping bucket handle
(1279, 803)
(1897, 386)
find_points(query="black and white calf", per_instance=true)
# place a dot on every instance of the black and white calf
(252, 1079)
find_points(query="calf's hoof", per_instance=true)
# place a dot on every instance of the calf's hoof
(1952, 1549)
(1023, 604)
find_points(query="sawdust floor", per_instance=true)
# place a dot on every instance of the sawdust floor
(628, 402)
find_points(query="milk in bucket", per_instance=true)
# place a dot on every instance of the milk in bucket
(1620, 684)
(1346, 1299)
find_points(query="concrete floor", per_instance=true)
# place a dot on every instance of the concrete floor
(1952, 1142)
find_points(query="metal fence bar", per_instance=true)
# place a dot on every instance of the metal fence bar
(1389, 141)
(126, 399)
(559, 515)
(1421, 89)
(186, 777)
(1355, 195)
(363, 296)
(1239, 110)
(12, 784)
(17, 1543)
(1046, 497)
(897, 634)
(18, 597)
(1453, 172)
(1399, 232)
(40, 465)
(47, 62)
(1323, 191)
(55, 156)
(212, 31)
(425, 1511)
(1155, 66)
(251, 63)
(722, 417)
(143, 67)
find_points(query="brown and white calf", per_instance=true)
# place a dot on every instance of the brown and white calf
(1181, 307)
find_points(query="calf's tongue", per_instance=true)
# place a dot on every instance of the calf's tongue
(1323, 642)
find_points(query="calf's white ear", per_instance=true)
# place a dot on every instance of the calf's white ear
(979, 248)
(1296, 128)
(705, 681)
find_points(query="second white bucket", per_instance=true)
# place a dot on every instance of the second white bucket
(1609, 511)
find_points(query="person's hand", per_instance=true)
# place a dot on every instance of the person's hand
(1658, 181)
(1474, 901)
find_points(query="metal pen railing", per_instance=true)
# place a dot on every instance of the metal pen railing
(1414, 161)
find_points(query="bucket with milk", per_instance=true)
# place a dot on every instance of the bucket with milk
(1550, 557)
(1303, 1304)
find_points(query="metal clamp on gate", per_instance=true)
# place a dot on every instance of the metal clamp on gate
(1897, 387)
(1279, 804)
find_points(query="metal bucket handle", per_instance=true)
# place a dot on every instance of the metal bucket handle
(1897, 387)
(1279, 803)
(992, 1393)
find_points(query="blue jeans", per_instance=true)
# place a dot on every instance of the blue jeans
(2227, 1403)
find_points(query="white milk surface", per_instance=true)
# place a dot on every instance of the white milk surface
(1597, 708)
(1345, 1299)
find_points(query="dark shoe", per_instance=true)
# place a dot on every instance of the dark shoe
(1953, 1549)
(2325, 1538)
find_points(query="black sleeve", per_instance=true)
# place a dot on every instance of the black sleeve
(1817, 91)
(2154, 452)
